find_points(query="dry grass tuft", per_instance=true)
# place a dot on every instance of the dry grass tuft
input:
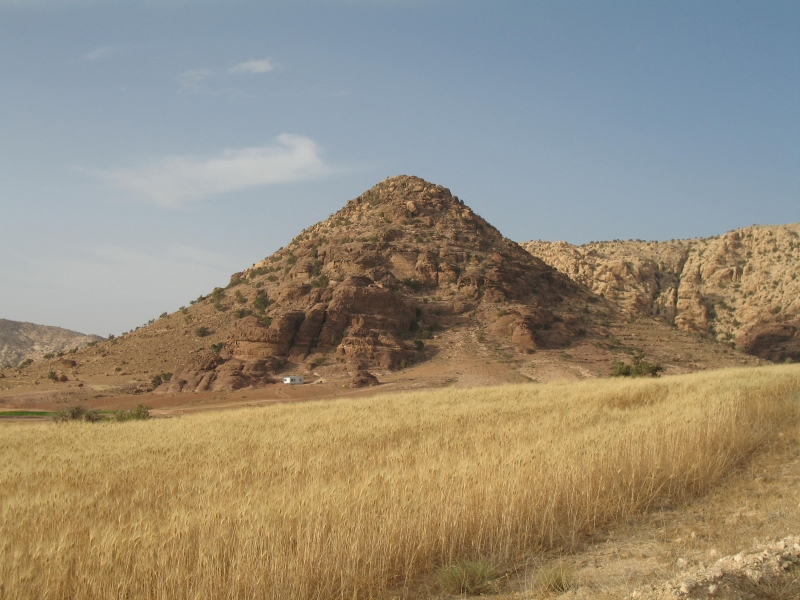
(355, 498)
(556, 577)
(468, 577)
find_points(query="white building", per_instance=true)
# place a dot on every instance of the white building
(293, 379)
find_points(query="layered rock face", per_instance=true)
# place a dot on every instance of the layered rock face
(741, 287)
(359, 287)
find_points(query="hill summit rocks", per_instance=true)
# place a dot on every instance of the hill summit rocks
(366, 287)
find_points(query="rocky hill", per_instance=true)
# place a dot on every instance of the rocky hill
(19, 341)
(365, 289)
(742, 287)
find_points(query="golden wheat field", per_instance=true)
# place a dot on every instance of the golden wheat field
(355, 498)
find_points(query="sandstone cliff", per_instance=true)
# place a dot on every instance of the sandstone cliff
(742, 287)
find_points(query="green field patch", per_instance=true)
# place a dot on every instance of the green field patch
(5, 414)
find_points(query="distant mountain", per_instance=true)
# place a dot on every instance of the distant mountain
(742, 287)
(19, 341)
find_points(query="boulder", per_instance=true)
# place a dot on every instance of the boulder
(363, 379)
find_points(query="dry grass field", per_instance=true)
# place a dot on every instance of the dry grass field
(362, 498)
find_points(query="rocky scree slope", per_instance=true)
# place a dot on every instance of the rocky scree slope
(742, 287)
(20, 340)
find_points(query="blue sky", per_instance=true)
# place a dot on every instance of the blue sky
(150, 149)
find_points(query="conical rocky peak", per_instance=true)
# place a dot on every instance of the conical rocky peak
(365, 287)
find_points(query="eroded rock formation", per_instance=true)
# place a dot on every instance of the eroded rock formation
(742, 287)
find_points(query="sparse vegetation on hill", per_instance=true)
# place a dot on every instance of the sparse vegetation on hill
(358, 499)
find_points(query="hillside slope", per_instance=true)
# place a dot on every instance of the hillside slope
(741, 287)
(20, 340)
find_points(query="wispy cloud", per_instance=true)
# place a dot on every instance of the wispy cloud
(253, 66)
(194, 80)
(101, 53)
(178, 180)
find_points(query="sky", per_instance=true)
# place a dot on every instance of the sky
(150, 149)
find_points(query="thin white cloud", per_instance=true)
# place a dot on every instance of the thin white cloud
(101, 53)
(194, 80)
(253, 66)
(178, 180)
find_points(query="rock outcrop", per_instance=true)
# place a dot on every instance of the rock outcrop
(363, 379)
(750, 574)
(742, 287)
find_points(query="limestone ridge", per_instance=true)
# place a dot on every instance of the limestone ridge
(19, 340)
(364, 287)
(742, 287)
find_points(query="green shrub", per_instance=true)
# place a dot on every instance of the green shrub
(217, 348)
(419, 344)
(468, 577)
(48, 356)
(51, 375)
(157, 380)
(140, 413)
(320, 282)
(638, 368)
(239, 297)
(242, 313)
(78, 413)
(202, 331)
(25, 363)
(162, 315)
(261, 302)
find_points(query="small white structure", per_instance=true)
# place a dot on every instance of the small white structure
(293, 380)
